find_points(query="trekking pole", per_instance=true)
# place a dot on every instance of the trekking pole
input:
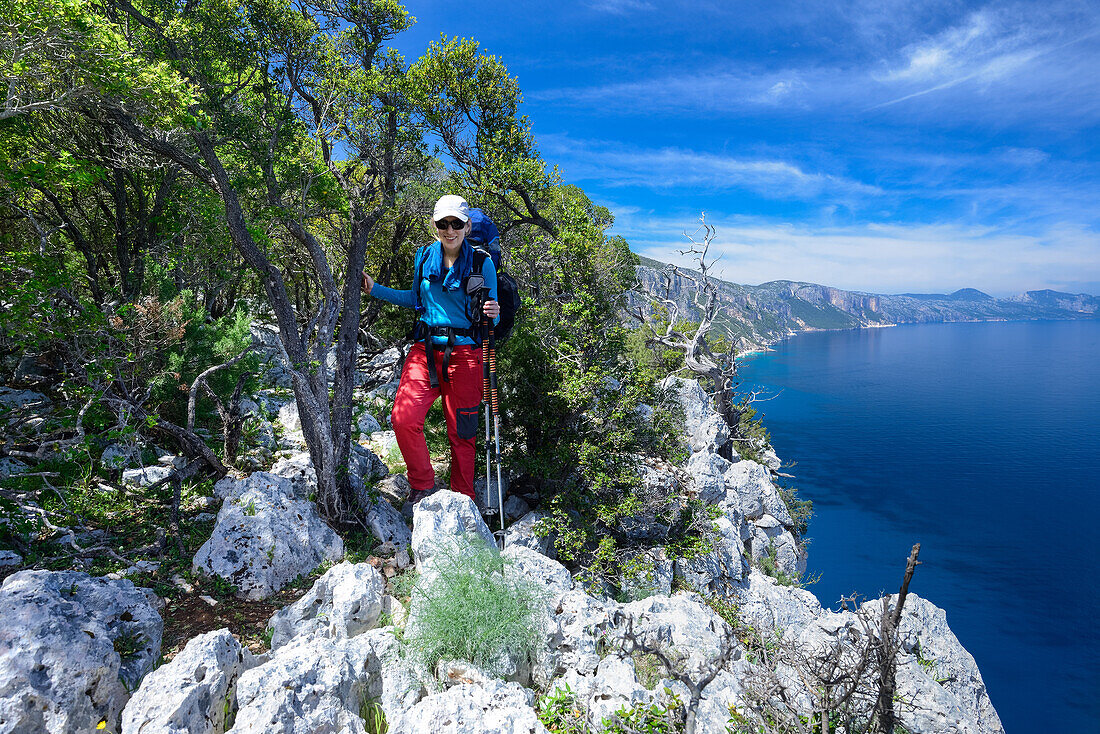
(495, 399)
(486, 398)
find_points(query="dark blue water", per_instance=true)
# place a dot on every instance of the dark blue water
(981, 442)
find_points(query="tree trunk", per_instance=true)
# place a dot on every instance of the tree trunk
(891, 620)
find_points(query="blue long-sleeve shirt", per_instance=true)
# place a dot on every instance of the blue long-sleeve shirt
(441, 292)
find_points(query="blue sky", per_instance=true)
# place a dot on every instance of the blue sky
(877, 145)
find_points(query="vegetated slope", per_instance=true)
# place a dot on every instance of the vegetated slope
(759, 315)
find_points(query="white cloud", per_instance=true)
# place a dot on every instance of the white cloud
(1005, 62)
(616, 165)
(620, 7)
(883, 257)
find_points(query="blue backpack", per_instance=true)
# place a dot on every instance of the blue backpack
(486, 240)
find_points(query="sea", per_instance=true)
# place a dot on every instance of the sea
(980, 441)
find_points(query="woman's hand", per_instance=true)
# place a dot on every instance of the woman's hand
(368, 283)
(491, 309)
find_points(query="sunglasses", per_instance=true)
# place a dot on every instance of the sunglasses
(455, 224)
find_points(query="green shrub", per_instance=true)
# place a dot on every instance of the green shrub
(656, 718)
(561, 713)
(468, 610)
(801, 509)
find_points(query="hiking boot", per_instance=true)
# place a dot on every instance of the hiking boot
(418, 494)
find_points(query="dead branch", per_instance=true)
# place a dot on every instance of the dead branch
(193, 393)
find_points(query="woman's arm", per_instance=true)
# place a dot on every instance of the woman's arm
(404, 298)
(396, 297)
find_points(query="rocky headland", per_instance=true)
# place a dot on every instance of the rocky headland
(709, 643)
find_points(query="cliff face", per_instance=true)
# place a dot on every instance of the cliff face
(763, 314)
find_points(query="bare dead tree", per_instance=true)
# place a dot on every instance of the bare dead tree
(230, 414)
(627, 640)
(720, 371)
(846, 682)
(889, 643)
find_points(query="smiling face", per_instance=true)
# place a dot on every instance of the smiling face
(446, 232)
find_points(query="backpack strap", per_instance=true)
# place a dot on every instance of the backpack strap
(421, 256)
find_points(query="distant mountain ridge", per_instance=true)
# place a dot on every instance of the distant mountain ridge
(760, 315)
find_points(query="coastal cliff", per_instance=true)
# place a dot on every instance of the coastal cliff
(723, 640)
(758, 316)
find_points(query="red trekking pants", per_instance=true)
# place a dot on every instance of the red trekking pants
(461, 404)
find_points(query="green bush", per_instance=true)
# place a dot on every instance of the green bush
(655, 718)
(561, 713)
(468, 609)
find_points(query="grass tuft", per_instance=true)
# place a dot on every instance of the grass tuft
(468, 609)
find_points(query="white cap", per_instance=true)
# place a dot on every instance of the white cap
(451, 205)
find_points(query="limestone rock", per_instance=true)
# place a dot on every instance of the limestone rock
(11, 467)
(120, 456)
(298, 468)
(771, 460)
(366, 465)
(765, 605)
(265, 536)
(394, 488)
(189, 694)
(771, 537)
(924, 630)
(712, 715)
(469, 708)
(718, 572)
(291, 422)
(758, 495)
(319, 684)
(388, 525)
(22, 400)
(384, 393)
(367, 424)
(487, 500)
(705, 429)
(573, 640)
(613, 685)
(522, 532)
(9, 559)
(532, 567)
(687, 630)
(708, 474)
(344, 602)
(656, 581)
(442, 517)
(515, 508)
(146, 475)
(72, 646)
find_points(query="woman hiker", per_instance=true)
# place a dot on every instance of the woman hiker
(445, 358)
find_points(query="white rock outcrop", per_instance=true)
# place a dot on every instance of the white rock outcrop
(146, 475)
(344, 602)
(322, 684)
(193, 693)
(388, 525)
(72, 647)
(703, 427)
(925, 636)
(265, 536)
(717, 572)
(470, 708)
(441, 518)
(522, 532)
